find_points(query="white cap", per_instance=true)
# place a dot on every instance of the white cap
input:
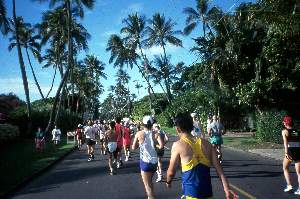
(147, 119)
(156, 125)
(193, 114)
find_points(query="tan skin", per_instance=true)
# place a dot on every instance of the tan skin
(111, 136)
(159, 161)
(287, 160)
(182, 152)
(146, 176)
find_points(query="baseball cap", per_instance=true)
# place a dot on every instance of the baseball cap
(148, 119)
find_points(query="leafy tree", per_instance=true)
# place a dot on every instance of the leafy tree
(4, 23)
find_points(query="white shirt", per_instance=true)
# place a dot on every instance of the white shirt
(56, 133)
(90, 133)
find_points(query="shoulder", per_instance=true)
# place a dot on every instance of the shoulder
(284, 132)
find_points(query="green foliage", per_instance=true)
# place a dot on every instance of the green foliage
(40, 118)
(164, 120)
(8, 133)
(269, 125)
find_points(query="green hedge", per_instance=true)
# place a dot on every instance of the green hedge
(8, 133)
(269, 125)
(40, 116)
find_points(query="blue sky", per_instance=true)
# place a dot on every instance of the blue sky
(105, 19)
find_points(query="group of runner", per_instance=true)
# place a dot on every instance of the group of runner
(195, 154)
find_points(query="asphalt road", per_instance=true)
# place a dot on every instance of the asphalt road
(251, 176)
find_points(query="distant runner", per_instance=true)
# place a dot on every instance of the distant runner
(197, 131)
(291, 141)
(127, 140)
(119, 132)
(56, 135)
(111, 138)
(90, 135)
(196, 156)
(148, 156)
(216, 130)
(79, 136)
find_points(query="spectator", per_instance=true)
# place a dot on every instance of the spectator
(56, 135)
(39, 139)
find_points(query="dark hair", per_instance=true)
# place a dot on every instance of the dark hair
(112, 124)
(118, 120)
(184, 121)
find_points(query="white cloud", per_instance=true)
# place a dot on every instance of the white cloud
(15, 85)
(156, 50)
(132, 8)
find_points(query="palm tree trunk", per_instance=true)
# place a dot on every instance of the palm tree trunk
(167, 82)
(23, 70)
(33, 73)
(52, 82)
(59, 106)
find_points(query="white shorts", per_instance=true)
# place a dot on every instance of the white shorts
(112, 146)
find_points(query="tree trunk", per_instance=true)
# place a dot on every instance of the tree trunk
(23, 70)
(52, 82)
(59, 106)
(33, 73)
(167, 82)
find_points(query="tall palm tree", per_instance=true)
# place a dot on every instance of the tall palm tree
(29, 42)
(4, 23)
(196, 16)
(22, 67)
(160, 33)
(69, 7)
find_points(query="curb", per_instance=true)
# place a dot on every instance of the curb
(20, 185)
(248, 151)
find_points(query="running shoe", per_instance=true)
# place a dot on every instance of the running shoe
(118, 165)
(159, 179)
(121, 163)
(289, 188)
(126, 159)
(90, 159)
(297, 192)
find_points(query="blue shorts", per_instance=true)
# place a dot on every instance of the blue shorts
(148, 167)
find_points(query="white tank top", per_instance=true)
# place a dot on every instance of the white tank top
(147, 149)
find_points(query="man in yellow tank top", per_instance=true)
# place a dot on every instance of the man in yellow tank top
(196, 156)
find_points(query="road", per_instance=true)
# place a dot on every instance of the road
(251, 176)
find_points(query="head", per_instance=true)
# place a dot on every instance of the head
(39, 129)
(183, 123)
(147, 122)
(215, 118)
(287, 121)
(112, 125)
(55, 127)
(90, 123)
(118, 120)
(156, 127)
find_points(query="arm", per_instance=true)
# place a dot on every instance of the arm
(174, 162)
(229, 193)
(160, 142)
(285, 143)
(135, 143)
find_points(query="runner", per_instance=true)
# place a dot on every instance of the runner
(159, 149)
(90, 136)
(216, 130)
(56, 135)
(197, 131)
(119, 131)
(127, 140)
(102, 139)
(291, 141)
(79, 136)
(111, 138)
(148, 157)
(196, 156)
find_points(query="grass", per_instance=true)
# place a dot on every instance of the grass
(170, 131)
(21, 160)
(248, 143)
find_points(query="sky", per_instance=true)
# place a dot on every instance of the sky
(105, 19)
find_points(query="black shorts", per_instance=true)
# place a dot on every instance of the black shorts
(90, 142)
(118, 149)
(294, 153)
(160, 152)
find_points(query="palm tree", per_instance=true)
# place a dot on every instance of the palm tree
(29, 42)
(22, 66)
(69, 7)
(160, 33)
(4, 23)
(196, 16)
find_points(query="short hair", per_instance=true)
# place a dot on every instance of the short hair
(118, 120)
(184, 121)
(288, 120)
(112, 124)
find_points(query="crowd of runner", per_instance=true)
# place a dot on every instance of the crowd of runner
(195, 154)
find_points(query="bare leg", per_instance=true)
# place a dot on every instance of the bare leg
(110, 163)
(297, 167)
(147, 179)
(286, 164)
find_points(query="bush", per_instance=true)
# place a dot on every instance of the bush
(40, 116)
(269, 125)
(8, 133)
(164, 120)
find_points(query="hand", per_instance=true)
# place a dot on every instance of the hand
(231, 195)
(287, 156)
(168, 185)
